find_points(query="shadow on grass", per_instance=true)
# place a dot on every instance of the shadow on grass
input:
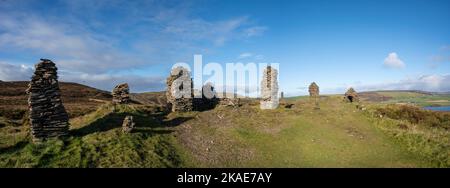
(16, 147)
(144, 123)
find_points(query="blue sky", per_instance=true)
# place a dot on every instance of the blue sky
(369, 45)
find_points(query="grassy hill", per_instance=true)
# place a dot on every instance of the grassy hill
(338, 135)
(78, 99)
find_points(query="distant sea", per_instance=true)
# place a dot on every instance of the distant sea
(438, 108)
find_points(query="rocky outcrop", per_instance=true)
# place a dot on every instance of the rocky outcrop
(128, 124)
(351, 95)
(180, 90)
(121, 94)
(48, 117)
(269, 89)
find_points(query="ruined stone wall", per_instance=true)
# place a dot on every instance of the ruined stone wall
(269, 89)
(48, 117)
(121, 94)
(180, 90)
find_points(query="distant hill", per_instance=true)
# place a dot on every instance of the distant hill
(78, 99)
(421, 98)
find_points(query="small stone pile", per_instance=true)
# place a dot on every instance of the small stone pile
(233, 102)
(121, 94)
(128, 124)
(269, 89)
(179, 92)
(351, 95)
(48, 117)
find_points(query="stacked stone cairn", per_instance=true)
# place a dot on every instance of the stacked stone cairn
(351, 95)
(48, 117)
(269, 89)
(179, 92)
(128, 124)
(314, 94)
(121, 94)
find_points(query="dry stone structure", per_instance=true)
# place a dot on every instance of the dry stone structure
(48, 117)
(269, 89)
(314, 94)
(313, 90)
(128, 124)
(351, 95)
(179, 92)
(121, 94)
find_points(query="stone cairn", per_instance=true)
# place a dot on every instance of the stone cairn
(48, 117)
(179, 92)
(269, 89)
(314, 94)
(121, 94)
(351, 95)
(128, 124)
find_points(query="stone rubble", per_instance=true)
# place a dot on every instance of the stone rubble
(121, 94)
(269, 89)
(48, 117)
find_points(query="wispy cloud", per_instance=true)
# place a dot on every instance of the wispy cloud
(245, 55)
(393, 61)
(11, 72)
(78, 37)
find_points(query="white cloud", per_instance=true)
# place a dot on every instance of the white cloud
(255, 31)
(245, 55)
(90, 49)
(12, 72)
(431, 83)
(393, 61)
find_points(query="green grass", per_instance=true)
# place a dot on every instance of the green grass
(339, 134)
(97, 141)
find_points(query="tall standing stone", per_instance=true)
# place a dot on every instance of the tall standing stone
(351, 95)
(269, 89)
(48, 117)
(179, 92)
(121, 94)
(314, 94)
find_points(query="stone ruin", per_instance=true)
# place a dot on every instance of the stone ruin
(209, 98)
(351, 95)
(314, 94)
(128, 124)
(121, 94)
(179, 92)
(269, 89)
(48, 117)
(282, 95)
